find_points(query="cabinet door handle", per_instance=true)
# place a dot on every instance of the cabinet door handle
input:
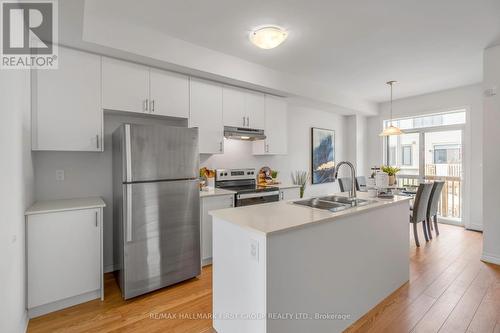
(244, 121)
(97, 141)
(220, 146)
(96, 219)
(248, 121)
(282, 195)
(153, 105)
(145, 105)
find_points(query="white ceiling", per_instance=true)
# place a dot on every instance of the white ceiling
(353, 46)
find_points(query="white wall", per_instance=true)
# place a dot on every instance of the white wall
(362, 146)
(15, 196)
(469, 97)
(87, 174)
(238, 154)
(491, 154)
(356, 143)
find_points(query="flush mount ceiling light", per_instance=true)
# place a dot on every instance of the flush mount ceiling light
(391, 129)
(268, 37)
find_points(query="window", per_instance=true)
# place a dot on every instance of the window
(392, 156)
(407, 154)
(447, 154)
(432, 120)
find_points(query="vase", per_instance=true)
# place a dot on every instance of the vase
(392, 180)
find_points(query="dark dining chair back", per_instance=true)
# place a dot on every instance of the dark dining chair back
(420, 206)
(434, 205)
(360, 183)
(345, 184)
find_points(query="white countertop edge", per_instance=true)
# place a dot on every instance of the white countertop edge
(215, 193)
(332, 216)
(61, 205)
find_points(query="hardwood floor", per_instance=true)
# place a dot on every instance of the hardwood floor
(450, 290)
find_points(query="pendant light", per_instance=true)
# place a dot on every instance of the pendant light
(391, 130)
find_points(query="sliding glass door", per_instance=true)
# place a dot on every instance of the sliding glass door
(431, 149)
(443, 161)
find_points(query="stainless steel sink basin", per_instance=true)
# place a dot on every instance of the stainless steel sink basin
(352, 202)
(321, 204)
(333, 203)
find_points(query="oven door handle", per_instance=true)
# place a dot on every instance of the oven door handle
(257, 195)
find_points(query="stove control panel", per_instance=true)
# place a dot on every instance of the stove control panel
(234, 174)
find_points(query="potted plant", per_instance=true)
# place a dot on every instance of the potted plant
(274, 175)
(391, 172)
(300, 178)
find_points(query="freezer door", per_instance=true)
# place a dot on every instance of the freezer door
(161, 235)
(155, 152)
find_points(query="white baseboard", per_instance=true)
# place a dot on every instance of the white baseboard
(490, 258)
(24, 323)
(110, 268)
(206, 261)
(64, 303)
(475, 227)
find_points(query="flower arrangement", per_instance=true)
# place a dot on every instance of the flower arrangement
(391, 171)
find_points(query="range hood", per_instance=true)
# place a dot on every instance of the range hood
(241, 133)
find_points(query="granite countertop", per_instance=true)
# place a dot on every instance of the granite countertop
(284, 215)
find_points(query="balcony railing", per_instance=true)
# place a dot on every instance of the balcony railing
(450, 205)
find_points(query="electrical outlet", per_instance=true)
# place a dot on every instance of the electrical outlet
(60, 175)
(254, 249)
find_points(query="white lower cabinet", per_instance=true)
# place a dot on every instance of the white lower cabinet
(289, 193)
(64, 260)
(207, 204)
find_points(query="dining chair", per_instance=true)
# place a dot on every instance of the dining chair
(433, 205)
(419, 212)
(345, 184)
(361, 183)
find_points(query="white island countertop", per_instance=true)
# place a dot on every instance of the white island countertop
(52, 206)
(284, 215)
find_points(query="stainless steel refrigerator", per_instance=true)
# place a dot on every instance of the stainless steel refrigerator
(156, 206)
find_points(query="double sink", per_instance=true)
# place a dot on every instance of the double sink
(334, 203)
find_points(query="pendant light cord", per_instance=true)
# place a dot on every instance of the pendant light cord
(391, 103)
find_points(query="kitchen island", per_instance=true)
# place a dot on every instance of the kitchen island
(282, 267)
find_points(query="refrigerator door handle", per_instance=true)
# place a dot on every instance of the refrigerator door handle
(128, 157)
(128, 218)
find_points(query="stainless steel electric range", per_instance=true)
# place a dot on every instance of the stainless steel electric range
(243, 182)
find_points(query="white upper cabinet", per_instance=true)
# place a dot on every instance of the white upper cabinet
(125, 86)
(169, 94)
(243, 108)
(275, 128)
(255, 110)
(137, 88)
(206, 114)
(234, 107)
(66, 104)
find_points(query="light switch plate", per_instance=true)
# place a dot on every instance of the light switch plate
(60, 175)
